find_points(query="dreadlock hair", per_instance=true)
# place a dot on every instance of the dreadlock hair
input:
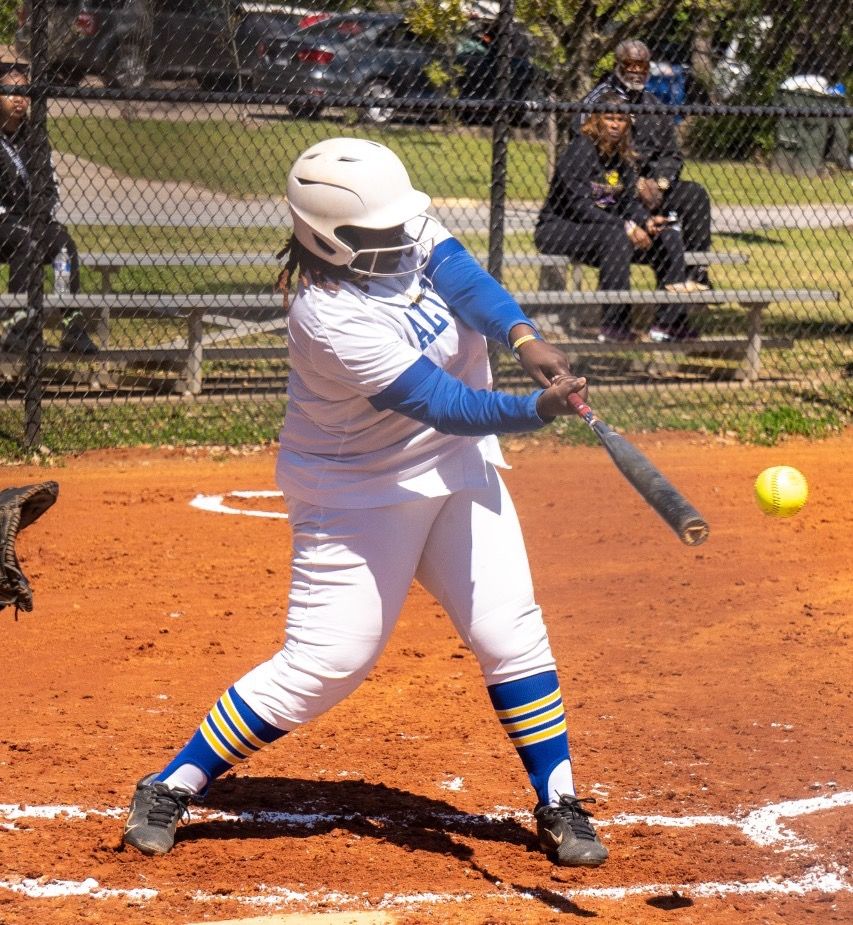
(308, 268)
(592, 128)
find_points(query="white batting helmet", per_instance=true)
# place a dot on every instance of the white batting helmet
(348, 182)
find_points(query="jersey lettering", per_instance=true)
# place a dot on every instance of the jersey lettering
(436, 323)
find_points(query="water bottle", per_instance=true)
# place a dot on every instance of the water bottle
(62, 272)
(672, 221)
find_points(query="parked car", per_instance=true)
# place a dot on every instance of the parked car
(377, 55)
(127, 41)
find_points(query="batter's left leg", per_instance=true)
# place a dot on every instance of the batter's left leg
(475, 563)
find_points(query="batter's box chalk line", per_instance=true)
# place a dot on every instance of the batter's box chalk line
(215, 504)
(761, 826)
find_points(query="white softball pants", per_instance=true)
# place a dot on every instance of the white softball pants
(352, 570)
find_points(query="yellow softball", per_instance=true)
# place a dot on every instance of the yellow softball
(781, 491)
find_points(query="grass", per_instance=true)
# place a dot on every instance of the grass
(450, 162)
(795, 415)
(72, 427)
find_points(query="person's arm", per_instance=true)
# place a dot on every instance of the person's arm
(428, 394)
(664, 164)
(484, 305)
(628, 205)
(52, 191)
(472, 293)
(7, 180)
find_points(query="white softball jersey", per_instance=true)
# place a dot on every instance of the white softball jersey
(347, 345)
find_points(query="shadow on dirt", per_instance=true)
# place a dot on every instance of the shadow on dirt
(280, 807)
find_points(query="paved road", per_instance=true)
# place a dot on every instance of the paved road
(94, 195)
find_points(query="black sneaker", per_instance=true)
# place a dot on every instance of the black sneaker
(75, 339)
(155, 812)
(614, 334)
(664, 333)
(700, 275)
(16, 337)
(566, 835)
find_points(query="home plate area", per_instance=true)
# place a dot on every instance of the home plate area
(771, 826)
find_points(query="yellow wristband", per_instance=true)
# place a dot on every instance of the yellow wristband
(520, 341)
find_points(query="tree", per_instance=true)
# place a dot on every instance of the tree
(8, 21)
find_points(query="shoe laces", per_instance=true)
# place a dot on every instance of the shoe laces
(576, 816)
(168, 806)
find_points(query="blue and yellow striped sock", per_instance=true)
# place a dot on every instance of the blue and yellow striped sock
(231, 732)
(531, 711)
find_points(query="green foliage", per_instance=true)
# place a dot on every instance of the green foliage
(438, 75)
(772, 425)
(8, 20)
(440, 21)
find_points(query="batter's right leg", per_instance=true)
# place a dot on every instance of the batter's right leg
(351, 571)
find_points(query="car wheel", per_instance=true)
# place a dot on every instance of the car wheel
(127, 68)
(377, 113)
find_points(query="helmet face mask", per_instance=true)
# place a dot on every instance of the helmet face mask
(380, 252)
(350, 200)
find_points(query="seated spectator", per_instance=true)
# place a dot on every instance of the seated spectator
(593, 215)
(659, 162)
(16, 238)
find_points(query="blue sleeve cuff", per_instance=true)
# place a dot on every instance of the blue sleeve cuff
(471, 293)
(433, 397)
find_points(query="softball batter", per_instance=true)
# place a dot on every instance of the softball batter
(389, 464)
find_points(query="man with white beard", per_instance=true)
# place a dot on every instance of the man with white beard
(659, 160)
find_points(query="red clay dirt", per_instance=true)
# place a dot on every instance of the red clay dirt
(700, 682)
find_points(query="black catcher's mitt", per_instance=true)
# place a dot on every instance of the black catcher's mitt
(19, 507)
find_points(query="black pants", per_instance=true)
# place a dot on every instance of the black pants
(691, 202)
(17, 244)
(608, 248)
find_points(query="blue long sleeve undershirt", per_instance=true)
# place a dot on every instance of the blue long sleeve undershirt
(430, 395)
(471, 293)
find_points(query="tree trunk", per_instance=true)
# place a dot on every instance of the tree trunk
(701, 57)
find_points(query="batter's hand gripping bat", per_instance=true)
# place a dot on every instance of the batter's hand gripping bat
(655, 490)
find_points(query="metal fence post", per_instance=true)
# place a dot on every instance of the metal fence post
(500, 140)
(500, 145)
(38, 208)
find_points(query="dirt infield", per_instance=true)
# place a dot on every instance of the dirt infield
(708, 693)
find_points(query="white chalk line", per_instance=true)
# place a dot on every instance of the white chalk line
(216, 504)
(762, 826)
(817, 879)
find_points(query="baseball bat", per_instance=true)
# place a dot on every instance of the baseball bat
(660, 494)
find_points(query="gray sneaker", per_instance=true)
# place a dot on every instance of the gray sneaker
(566, 835)
(155, 812)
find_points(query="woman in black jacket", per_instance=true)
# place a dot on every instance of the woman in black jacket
(17, 243)
(592, 214)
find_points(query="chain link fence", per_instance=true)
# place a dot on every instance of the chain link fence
(139, 270)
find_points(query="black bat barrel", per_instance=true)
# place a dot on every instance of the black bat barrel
(657, 491)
